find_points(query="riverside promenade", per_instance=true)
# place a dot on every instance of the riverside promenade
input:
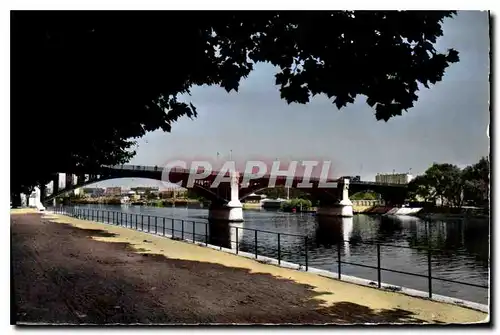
(66, 270)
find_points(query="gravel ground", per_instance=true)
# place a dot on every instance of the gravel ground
(67, 271)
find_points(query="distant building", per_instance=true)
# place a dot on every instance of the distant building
(393, 178)
(144, 190)
(113, 191)
(173, 192)
(93, 191)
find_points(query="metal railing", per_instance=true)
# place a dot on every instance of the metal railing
(163, 226)
(127, 220)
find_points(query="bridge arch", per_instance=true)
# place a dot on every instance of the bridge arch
(197, 188)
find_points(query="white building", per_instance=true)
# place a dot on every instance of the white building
(394, 178)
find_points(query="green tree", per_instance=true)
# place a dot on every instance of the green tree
(446, 182)
(477, 183)
(451, 185)
(420, 188)
(113, 76)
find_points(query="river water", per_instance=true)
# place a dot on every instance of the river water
(463, 244)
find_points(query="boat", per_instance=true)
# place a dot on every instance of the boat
(271, 203)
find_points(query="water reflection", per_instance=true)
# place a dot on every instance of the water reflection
(329, 231)
(348, 226)
(219, 233)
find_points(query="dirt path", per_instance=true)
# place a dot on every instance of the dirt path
(70, 273)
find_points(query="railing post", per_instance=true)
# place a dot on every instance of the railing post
(206, 233)
(136, 220)
(379, 274)
(92, 215)
(182, 229)
(142, 222)
(194, 230)
(256, 244)
(237, 243)
(149, 223)
(156, 225)
(279, 249)
(113, 222)
(172, 227)
(307, 260)
(429, 268)
(339, 259)
(108, 217)
(163, 226)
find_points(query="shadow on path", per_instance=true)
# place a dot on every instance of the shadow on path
(61, 275)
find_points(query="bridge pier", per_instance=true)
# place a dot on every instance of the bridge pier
(43, 193)
(80, 179)
(69, 180)
(233, 210)
(55, 184)
(341, 208)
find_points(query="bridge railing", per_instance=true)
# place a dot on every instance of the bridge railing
(279, 177)
(183, 229)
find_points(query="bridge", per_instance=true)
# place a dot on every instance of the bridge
(226, 197)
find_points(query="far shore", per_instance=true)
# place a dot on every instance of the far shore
(435, 213)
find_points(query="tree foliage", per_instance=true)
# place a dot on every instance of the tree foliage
(282, 192)
(477, 183)
(297, 204)
(453, 186)
(364, 196)
(85, 84)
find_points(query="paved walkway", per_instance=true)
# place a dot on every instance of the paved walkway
(67, 271)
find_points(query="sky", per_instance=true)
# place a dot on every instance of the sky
(447, 125)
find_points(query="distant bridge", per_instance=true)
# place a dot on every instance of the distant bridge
(229, 192)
